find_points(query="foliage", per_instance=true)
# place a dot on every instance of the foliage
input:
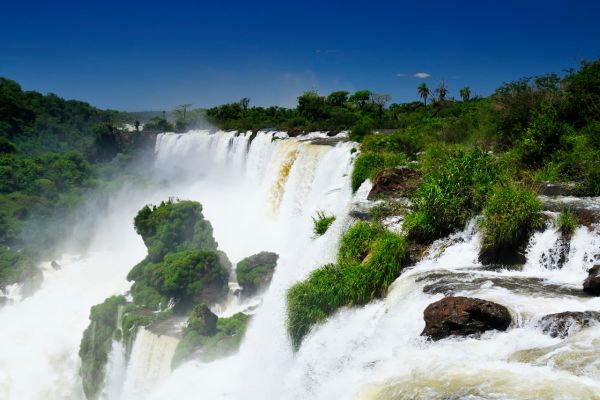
(454, 188)
(367, 165)
(96, 344)
(254, 272)
(566, 222)
(322, 222)
(225, 341)
(15, 267)
(369, 260)
(510, 215)
(386, 209)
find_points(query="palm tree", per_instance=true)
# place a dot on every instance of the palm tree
(465, 93)
(423, 92)
(441, 92)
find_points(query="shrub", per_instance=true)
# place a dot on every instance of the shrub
(454, 188)
(543, 136)
(97, 343)
(400, 142)
(322, 222)
(566, 222)
(255, 272)
(369, 260)
(509, 217)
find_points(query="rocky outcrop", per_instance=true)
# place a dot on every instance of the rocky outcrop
(585, 209)
(591, 285)
(557, 189)
(562, 324)
(395, 182)
(462, 316)
(203, 321)
(254, 273)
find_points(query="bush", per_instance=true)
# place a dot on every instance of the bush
(543, 137)
(369, 260)
(97, 343)
(321, 223)
(454, 188)
(399, 142)
(255, 272)
(566, 222)
(509, 217)
(15, 267)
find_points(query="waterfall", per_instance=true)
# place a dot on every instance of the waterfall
(259, 192)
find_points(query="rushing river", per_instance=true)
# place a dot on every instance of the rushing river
(260, 195)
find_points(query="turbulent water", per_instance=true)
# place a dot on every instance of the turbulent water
(260, 195)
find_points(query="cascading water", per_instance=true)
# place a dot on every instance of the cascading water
(260, 194)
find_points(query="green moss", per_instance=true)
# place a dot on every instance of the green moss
(509, 217)
(566, 222)
(369, 260)
(96, 344)
(225, 341)
(255, 272)
(454, 188)
(322, 222)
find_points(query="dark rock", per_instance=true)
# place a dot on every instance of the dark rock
(507, 256)
(203, 320)
(561, 324)
(585, 209)
(395, 182)
(591, 285)
(462, 316)
(557, 189)
(55, 265)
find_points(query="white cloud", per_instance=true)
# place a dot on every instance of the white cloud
(418, 75)
(422, 75)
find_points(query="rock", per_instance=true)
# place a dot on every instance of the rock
(591, 285)
(395, 182)
(462, 316)
(562, 324)
(557, 189)
(254, 273)
(55, 265)
(586, 209)
(203, 320)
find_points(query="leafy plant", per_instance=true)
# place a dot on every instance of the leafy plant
(322, 222)
(566, 222)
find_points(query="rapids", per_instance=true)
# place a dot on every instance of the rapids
(260, 195)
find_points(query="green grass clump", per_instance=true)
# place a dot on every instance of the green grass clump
(322, 222)
(96, 344)
(509, 217)
(454, 188)
(367, 165)
(386, 209)
(369, 260)
(566, 222)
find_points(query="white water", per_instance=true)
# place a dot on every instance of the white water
(262, 197)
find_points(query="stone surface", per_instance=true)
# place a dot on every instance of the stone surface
(462, 316)
(564, 323)
(591, 285)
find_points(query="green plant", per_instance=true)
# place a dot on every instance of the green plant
(369, 260)
(566, 222)
(509, 217)
(322, 222)
(255, 272)
(386, 209)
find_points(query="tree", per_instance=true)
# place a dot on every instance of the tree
(310, 104)
(360, 98)
(244, 102)
(338, 98)
(423, 92)
(465, 94)
(441, 91)
(180, 111)
(380, 100)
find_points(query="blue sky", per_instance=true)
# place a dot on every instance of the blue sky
(153, 55)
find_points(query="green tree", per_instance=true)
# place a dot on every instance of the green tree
(360, 98)
(338, 98)
(465, 94)
(423, 92)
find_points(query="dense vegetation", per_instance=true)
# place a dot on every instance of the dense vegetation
(254, 273)
(370, 258)
(182, 271)
(52, 152)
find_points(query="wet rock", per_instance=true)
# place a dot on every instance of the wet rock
(505, 256)
(395, 182)
(3, 300)
(462, 316)
(55, 265)
(254, 273)
(585, 209)
(557, 189)
(562, 324)
(591, 285)
(203, 321)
